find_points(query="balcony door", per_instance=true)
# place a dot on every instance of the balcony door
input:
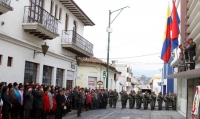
(74, 32)
(36, 11)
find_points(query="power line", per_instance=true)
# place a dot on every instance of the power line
(132, 57)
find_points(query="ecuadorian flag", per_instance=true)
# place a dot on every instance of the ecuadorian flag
(166, 49)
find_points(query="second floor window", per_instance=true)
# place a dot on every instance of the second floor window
(56, 9)
(51, 9)
(47, 75)
(59, 77)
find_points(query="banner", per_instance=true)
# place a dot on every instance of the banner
(195, 105)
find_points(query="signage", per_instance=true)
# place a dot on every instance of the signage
(99, 82)
(91, 83)
(70, 75)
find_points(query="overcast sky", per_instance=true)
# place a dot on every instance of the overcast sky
(137, 31)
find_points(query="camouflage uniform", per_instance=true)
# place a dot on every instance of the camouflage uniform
(130, 96)
(110, 98)
(137, 100)
(167, 100)
(160, 100)
(126, 98)
(133, 98)
(123, 99)
(145, 100)
(152, 100)
(115, 98)
(173, 98)
(141, 96)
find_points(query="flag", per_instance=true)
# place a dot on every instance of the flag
(166, 49)
(175, 26)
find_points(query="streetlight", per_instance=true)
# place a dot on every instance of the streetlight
(109, 30)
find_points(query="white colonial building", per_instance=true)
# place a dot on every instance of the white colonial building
(26, 25)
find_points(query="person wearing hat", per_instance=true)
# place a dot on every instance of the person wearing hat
(13, 99)
(28, 104)
(192, 52)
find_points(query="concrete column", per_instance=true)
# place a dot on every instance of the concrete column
(40, 74)
(179, 92)
(190, 96)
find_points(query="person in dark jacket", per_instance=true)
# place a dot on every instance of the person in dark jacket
(60, 105)
(39, 101)
(6, 102)
(28, 104)
(14, 102)
(80, 102)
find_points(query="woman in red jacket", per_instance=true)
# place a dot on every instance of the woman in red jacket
(46, 108)
(88, 101)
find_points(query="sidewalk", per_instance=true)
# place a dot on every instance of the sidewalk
(166, 115)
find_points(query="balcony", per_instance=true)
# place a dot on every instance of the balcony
(5, 6)
(76, 44)
(40, 23)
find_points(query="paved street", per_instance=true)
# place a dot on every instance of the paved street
(117, 113)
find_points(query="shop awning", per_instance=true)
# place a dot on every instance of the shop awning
(186, 74)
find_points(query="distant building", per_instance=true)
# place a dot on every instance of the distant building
(155, 83)
(90, 71)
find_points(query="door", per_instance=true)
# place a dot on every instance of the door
(36, 11)
(74, 32)
(69, 84)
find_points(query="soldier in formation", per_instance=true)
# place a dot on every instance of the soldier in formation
(123, 97)
(131, 97)
(137, 97)
(173, 99)
(167, 101)
(153, 100)
(115, 98)
(126, 98)
(160, 100)
(145, 100)
(110, 98)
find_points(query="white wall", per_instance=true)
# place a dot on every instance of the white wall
(13, 24)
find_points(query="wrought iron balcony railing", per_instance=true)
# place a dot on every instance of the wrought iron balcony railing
(71, 37)
(36, 14)
(6, 3)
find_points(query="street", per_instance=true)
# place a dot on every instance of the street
(118, 113)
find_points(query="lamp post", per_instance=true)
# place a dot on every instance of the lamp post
(109, 30)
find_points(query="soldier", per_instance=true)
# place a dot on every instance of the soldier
(133, 98)
(80, 102)
(152, 100)
(192, 52)
(160, 100)
(145, 100)
(115, 98)
(140, 98)
(137, 97)
(110, 98)
(122, 99)
(167, 100)
(126, 98)
(174, 101)
(130, 97)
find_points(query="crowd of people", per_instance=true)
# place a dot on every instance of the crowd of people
(34, 101)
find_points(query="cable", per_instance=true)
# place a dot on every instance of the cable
(132, 57)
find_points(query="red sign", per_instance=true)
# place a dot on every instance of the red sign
(91, 83)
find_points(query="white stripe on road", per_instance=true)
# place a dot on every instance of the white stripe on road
(106, 115)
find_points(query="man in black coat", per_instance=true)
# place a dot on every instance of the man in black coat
(60, 105)
(75, 92)
(192, 52)
(80, 102)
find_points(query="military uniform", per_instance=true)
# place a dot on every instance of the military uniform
(137, 101)
(126, 98)
(152, 101)
(110, 98)
(115, 98)
(160, 100)
(130, 97)
(173, 98)
(167, 100)
(140, 98)
(80, 103)
(134, 98)
(145, 100)
(122, 99)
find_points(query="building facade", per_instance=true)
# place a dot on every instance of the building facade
(91, 71)
(26, 25)
(187, 80)
(124, 82)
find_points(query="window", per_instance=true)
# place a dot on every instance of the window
(59, 77)
(1, 59)
(47, 75)
(30, 72)
(51, 9)
(56, 8)
(66, 22)
(9, 64)
(60, 13)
